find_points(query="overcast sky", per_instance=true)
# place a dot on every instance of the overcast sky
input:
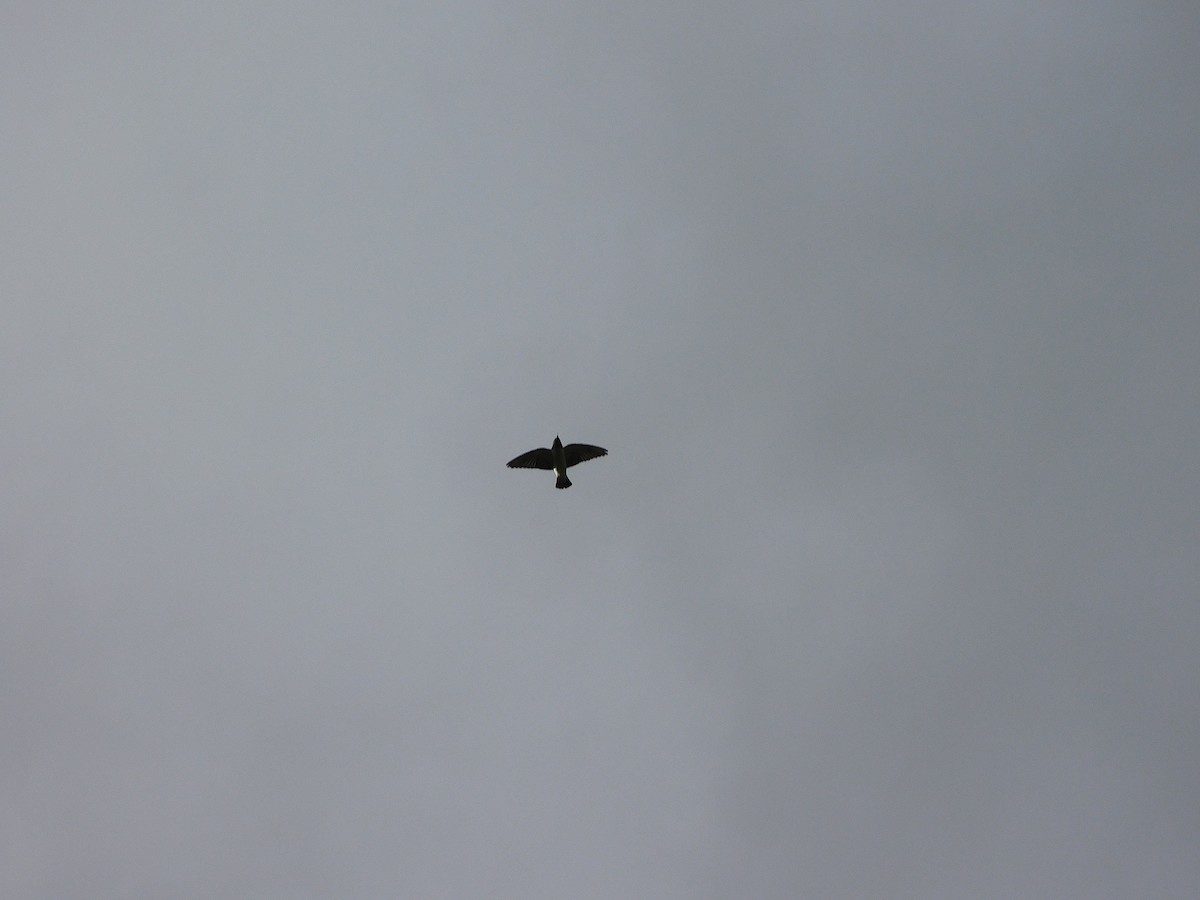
(889, 315)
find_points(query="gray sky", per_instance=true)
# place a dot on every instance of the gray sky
(888, 316)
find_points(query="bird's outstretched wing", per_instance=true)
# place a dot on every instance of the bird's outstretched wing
(577, 453)
(534, 459)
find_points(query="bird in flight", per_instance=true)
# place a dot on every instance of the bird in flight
(558, 458)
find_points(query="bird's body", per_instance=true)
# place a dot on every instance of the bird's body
(557, 458)
(559, 454)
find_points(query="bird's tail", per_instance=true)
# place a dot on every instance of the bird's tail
(563, 481)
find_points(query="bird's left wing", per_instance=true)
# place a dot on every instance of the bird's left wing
(534, 459)
(577, 453)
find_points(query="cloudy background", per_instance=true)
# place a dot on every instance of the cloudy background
(887, 315)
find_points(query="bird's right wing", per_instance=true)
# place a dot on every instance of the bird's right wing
(534, 459)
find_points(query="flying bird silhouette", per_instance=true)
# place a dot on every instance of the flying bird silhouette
(558, 458)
